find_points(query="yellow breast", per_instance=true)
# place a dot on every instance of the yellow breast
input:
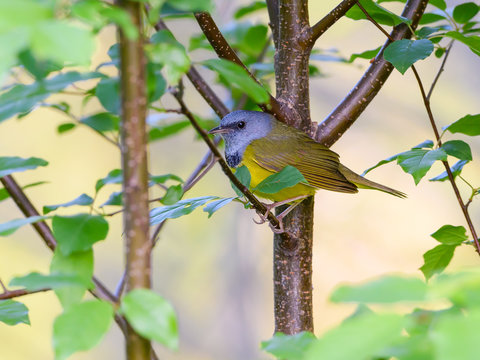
(259, 174)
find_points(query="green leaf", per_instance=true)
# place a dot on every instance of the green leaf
(13, 164)
(387, 289)
(114, 177)
(78, 264)
(248, 9)
(181, 208)
(287, 177)
(151, 316)
(417, 162)
(377, 332)
(63, 128)
(427, 144)
(377, 12)
(156, 83)
(38, 68)
(108, 93)
(456, 169)
(82, 200)
(191, 5)
(464, 12)
(243, 175)
(429, 18)
(13, 312)
(217, 205)
(426, 31)
(78, 232)
(163, 131)
(473, 42)
(115, 199)
(369, 54)
(62, 42)
(237, 77)
(174, 193)
(11, 226)
(161, 179)
(22, 98)
(450, 235)
(458, 148)
(468, 125)
(380, 163)
(167, 51)
(404, 53)
(437, 259)
(291, 347)
(102, 122)
(81, 327)
(35, 281)
(456, 336)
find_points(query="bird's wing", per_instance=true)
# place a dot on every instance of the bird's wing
(318, 164)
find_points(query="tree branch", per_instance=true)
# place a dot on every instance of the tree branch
(345, 114)
(225, 51)
(135, 171)
(10, 294)
(311, 34)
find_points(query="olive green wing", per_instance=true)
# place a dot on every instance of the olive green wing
(318, 164)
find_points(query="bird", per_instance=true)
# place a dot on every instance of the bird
(266, 146)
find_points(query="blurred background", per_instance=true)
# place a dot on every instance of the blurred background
(218, 272)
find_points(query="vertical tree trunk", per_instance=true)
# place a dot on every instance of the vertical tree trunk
(135, 173)
(293, 249)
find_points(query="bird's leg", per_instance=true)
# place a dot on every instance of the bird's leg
(263, 217)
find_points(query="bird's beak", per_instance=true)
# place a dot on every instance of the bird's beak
(219, 130)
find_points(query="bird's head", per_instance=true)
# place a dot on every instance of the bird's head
(239, 129)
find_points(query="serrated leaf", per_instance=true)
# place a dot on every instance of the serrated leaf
(289, 176)
(458, 148)
(78, 264)
(108, 93)
(456, 169)
(437, 259)
(387, 289)
(248, 9)
(464, 12)
(12, 164)
(291, 347)
(165, 50)
(216, 205)
(13, 312)
(377, 12)
(10, 227)
(151, 316)
(369, 54)
(113, 177)
(82, 200)
(377, 332)
(78, 232)
(404, 53)
(35, 281)
(174, 194)
(237, 77)
(102, 122)
(81, 327)
(181, 208)
(468, 125)
(450, 235)
(243, 175)
(417, 162)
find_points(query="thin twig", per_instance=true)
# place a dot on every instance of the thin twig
(3, 286)
(426, 102)
(10, 294)
(440, 70)
(309, 36)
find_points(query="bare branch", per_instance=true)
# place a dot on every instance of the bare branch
(310, 35)
(345, 114)
(10, 294)
(440, 69)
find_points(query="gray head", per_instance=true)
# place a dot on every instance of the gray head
(239, 129)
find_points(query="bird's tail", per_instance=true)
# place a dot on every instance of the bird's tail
(364, 183)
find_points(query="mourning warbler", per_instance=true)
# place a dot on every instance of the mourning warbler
(266, 146)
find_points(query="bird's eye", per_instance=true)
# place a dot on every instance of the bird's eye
(241, 124)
